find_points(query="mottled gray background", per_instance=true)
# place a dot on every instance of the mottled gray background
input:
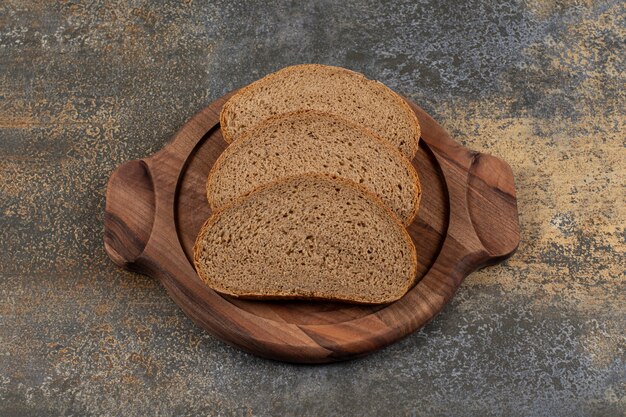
(87, 85)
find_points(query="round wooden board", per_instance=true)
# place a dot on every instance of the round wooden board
(156, 206)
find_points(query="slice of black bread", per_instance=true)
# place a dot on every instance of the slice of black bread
(324, 88)
(309, 237)
(310, 141)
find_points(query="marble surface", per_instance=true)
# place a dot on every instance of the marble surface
(85, 86)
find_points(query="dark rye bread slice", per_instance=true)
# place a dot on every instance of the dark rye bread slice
(308, 237)
(324, 88)
(309, 141)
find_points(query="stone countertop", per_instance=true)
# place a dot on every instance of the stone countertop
(85, 86)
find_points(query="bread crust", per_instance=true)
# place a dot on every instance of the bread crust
(249, 136)
(415, 126)
(313, 296)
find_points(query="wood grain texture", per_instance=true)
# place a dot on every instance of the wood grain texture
(156, 206)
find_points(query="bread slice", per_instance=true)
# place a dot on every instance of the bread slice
(310, 141)
(330, 89)
(309, 237)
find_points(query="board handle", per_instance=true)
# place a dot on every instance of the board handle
(492, 206)
(129, 214)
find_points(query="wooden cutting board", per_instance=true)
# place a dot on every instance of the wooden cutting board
(155, 207)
